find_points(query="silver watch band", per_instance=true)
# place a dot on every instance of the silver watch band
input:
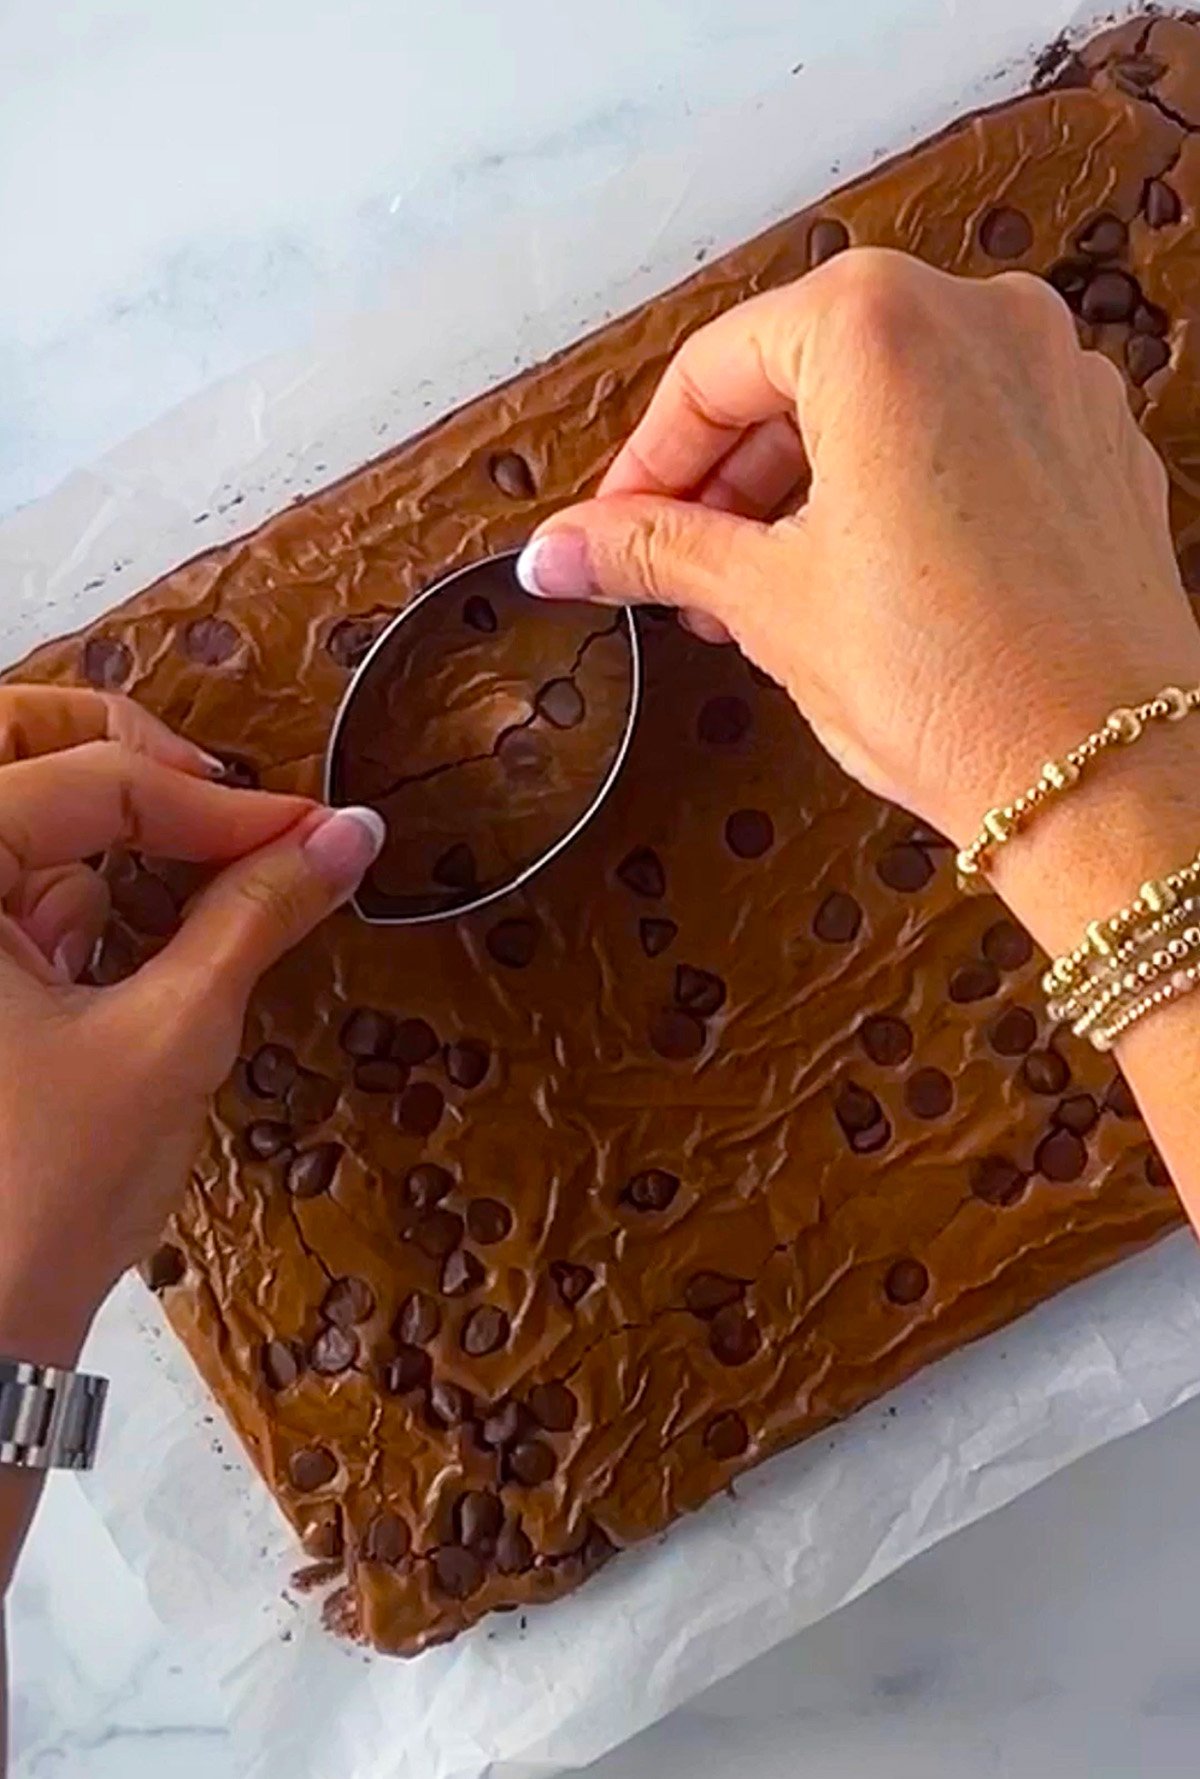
(49, 1419)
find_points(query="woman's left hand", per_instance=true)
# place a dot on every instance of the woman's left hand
(103, 1090)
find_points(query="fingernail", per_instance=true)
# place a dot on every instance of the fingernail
(71, 956)
(214, 767)
(342, 847)
(556, 565)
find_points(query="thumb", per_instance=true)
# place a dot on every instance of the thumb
(646, 548)
(264, 904)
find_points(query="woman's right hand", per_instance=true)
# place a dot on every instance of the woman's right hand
(981, 568)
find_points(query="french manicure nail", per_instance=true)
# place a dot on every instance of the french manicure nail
(341, 847)
(556, 565)
(214, 767)
(70, 957)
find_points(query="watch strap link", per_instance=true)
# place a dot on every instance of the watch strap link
(49, 1418)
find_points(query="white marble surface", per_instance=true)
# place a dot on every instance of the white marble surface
(183, 188)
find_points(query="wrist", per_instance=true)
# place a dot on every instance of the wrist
(45, 1310)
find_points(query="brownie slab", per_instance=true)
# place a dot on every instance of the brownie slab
(515, 1237)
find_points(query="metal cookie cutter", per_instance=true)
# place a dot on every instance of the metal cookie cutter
(478, 587)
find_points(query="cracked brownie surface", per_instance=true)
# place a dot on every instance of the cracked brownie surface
(516, 1237)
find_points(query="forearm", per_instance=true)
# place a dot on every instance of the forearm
(1136, 817)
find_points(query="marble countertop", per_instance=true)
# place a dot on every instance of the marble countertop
(183, 189)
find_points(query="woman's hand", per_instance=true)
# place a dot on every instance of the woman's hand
(982, 567)
(103, 1091)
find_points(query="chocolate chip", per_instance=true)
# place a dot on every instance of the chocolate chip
(467, 1062)
(905, 868)
(1104, 237)
(312, 1099)
(532, 1463)
(553, 1406)
(514, 1553)
(838, 918)
(311, 1172)
(655, 935)
(349, 642)
(478, 1515)
(426, 1185)
(1079, 1113)
(1145, 356)
(651, 1190)
(642, 872)
(462, 1273)
(524, 754)
(827, 236)
(387, 1539)
(1119, 1099)
(506, 1422)
(1156, 1170)
(1061, 1156)
(1148, 318)
(749, 833)
(907, 1282)
(870, 1141)
(512, 475)
(456, 868)
(1069, 277)
(450, 1403)
(1013, 1032)
(240, 774)
(348, 1300)
(1007, 945)
(312, 1467)
(488, 1221)
(271, 1071)
(676, 1035)
(513, 942)
(1189, 566)
(571, 1281)
(1110, 296)
(414, 1041)
(380, 1074)
(266, 1138)
(146, 903)
(997, 1181)
(856, 1108)
(928, 1094)
(974, 982)
(726, 1436)
(1045, 1071)
(723, 720)
(322, 1537)
(732, 1336)
(366, 1033)
(1005, 233)
(209, 641)
(333, 1351)
(479, 614)
(707, 1292)
(410, 1370)
(418, 1319)
(165, 1267)
(561, 703)
(484, 1331)
(281, 1364)
(438, 1233)
(596, 1549)
(459, 1572)
(698, 991)
(107, 664)
(419, 1108)
(1160, 204)
(886, 1040)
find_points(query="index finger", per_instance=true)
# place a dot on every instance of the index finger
(740, 369)
(37, 720)
(69, 805)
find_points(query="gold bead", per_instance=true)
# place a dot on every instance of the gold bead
(1124, 723)
(1157, 896)
(1176, 701)
(1097, 938)
(966, 863)
(998, 823)
(1059, 775)
(1062, 969)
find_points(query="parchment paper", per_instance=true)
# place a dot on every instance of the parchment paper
(816, 1526)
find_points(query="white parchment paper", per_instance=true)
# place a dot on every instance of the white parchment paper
(809, 1530)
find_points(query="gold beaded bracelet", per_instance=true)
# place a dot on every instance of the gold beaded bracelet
(1164, 961)
(1102, 937)
(1121, 728)
(1105, 971)
(1181, 982)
